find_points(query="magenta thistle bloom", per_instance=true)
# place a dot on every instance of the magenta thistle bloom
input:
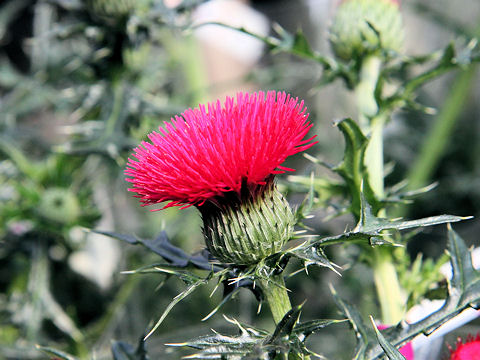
(470, 350)
(217, 148)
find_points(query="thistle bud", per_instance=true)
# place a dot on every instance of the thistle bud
(361, 27)
(245, 229)
(59, 205)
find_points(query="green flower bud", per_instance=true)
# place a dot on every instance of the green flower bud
(245, 229)
(59, 205)
(351, 33)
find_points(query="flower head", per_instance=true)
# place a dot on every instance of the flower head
(222, 158)
(219, 148)
(470, 350)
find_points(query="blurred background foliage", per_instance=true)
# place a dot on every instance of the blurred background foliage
(82, 82)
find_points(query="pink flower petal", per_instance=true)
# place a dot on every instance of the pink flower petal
(216, 148)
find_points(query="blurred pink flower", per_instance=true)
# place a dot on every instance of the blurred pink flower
(470, 350)
(219, 148)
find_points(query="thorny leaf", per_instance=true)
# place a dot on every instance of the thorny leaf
(450, 58)
(162, 246)
(226, 298)
(398, 194)
(463, 292)
(352, 168)
(285, 327)
(391, 352)
(364, 333)
(370, 229)
(366, 338)
(253, 343)
(372, 225)
(179, 263)
(174, 302)
(309, 327)
(231, 346)
(313, 255)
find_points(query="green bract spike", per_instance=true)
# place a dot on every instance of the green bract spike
(249, 227)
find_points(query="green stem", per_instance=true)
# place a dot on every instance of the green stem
(275, 293)
(374, 156)
(438, 138)
(389, 292)
(118, 88)
(365, 89)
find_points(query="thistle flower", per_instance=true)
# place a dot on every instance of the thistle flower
(361, 27)
(222, 158)
(470, 350)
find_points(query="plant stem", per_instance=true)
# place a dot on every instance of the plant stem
(434, 146)
(389, 292)
(365, 89)
(275, 293)
(374, 156)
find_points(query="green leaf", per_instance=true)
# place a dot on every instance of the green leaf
(364, 334)
(309, 327)
(174, 302)
(285, 327)
(391, 352)
(313, 255)
(287, 341)
(369, 229)
(219, 346)
(372, 225)
(300, 45)
(225, 299)
(450, 58)
(464, 286)
(162, 246)
(352, 168)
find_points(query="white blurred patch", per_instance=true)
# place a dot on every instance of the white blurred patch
(428, 347)
(99, 257)
(242, 47)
